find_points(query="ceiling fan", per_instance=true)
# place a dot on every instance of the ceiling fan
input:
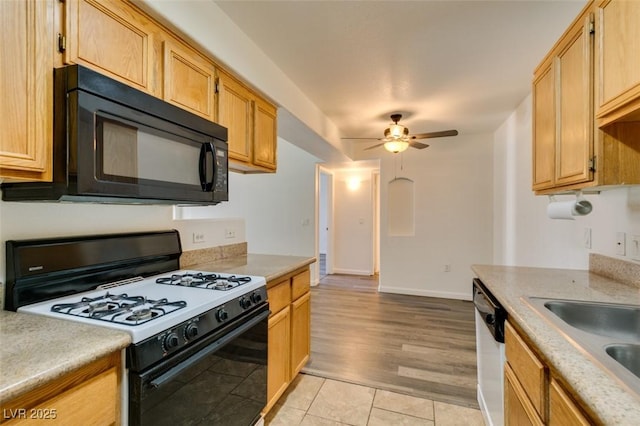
(397, 139)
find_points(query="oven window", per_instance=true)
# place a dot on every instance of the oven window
(131, 152)
(227, 387)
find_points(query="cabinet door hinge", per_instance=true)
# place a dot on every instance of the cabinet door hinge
(62, 43)
(592, 28)
(592, 164)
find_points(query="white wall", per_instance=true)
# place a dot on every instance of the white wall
(279, 208)
(453, 217)
(523, 234)
(272, 207)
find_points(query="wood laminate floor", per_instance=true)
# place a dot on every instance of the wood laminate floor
(413, 345)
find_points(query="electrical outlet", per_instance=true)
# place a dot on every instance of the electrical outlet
(621, 244)
(229, 233)
(634, 247)
(198, 238)
(447, 267)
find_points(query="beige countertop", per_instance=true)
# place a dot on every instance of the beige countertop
(600, 392)
(37, 349)
(265, 265)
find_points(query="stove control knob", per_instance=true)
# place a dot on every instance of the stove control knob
(222, 315)
(245, 303)
(256, 298)
(190, 331)
(170, 341)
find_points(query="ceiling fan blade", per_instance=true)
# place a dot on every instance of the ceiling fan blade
(418, 145)
(374, 146)
(440, 134)
(371, 139)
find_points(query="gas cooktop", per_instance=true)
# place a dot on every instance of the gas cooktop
(146, 306)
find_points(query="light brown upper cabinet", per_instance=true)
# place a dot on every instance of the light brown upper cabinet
(189, 80)
(562, 121)
(115, 38)
(570, 150)
(265, 137)
(618, 61)
(112, 38)
(26, 84)
(251, 122)
(234, 112)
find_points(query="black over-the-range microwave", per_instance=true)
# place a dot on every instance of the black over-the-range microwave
(113, 143)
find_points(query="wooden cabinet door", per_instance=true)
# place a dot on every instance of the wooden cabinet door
(234, 113)
(110, 37)
(300, 333)
(562, 410)
(89, 395)
(531, 373)
(574, 80)
(619, 55)
(265, 143)
(518, 410)
(189, 80)
(544, 129)
(26, 84)
(278, 356)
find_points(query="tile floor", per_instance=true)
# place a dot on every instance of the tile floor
(312, 400)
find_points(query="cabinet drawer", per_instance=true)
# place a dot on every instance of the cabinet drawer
(300, 284)
(530, 372)
(279, 296)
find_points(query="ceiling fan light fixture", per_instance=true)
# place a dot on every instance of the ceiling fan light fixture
(396, 146)
(396, 131)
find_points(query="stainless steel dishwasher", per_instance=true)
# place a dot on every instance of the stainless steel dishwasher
(490, 317)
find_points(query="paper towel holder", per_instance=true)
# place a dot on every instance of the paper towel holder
(581, 207)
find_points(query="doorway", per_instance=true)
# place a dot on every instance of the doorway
(348, 219)
(325, 223)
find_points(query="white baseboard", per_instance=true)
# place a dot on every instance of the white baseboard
(427, 293)
(351, 272)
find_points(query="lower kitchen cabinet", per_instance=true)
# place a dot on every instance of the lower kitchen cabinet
(289, 331)
(562, 410)
(300, 333)
(278, 377)
(89, 396)
(532, 394)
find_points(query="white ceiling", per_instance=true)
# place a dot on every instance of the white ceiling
(446, 64)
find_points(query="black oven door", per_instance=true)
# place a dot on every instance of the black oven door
(221, 382)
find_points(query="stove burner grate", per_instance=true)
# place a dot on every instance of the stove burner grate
(119, 308)
(206, 281)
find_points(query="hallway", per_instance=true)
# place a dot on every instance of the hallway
(419, 346)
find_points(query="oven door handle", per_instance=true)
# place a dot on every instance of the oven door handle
(169, 375)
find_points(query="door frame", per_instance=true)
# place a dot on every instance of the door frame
(323, 171)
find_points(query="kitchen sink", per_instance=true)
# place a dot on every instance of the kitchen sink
(605, 319)
(626, 354)
(608, 332)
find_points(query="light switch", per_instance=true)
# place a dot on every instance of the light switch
(587, 238)
(634, 247)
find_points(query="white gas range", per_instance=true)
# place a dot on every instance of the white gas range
(191, 330)
(144, 307)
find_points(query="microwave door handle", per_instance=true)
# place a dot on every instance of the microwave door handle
(204, 149)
